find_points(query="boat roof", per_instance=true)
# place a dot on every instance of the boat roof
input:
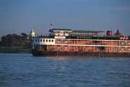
(84, 31)
(59, 29)
(75, 31)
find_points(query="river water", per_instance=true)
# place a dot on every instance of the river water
(25, 70)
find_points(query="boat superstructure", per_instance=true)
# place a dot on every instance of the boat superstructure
(67, 42)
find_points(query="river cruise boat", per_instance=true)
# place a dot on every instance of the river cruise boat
(68, 42)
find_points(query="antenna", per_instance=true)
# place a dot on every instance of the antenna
(51, 26)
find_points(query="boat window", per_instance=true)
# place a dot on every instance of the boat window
(46, 40)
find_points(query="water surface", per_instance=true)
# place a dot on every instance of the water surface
(25, 70)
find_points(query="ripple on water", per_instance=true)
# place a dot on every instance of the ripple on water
(24, 70)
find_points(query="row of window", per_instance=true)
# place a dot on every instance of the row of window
(44, 40)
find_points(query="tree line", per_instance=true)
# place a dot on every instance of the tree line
(16, 40)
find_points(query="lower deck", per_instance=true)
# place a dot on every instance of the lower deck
(83, 47)
(69, 50)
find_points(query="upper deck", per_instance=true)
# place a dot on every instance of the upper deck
(60, 33)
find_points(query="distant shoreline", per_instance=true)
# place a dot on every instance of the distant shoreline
(14, 50)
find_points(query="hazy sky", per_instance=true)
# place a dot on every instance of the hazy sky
(23, 15)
